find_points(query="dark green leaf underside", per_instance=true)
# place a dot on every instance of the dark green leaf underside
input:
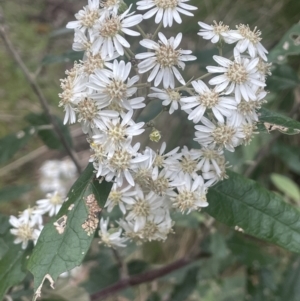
(244, 203)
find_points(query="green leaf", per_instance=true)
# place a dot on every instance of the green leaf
(11, 143)
(4, 224)
(288, 45)
(49, 137)
(247, 251)
(186, 287)
(283, 77)
(11, 266)
(69, 56)
(273, 121)
(3, 248)
(263, 214)
(60, 251)
(13, 192)
(287, 186)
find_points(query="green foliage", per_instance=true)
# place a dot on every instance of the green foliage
(49, 137)
(288, 45)
(244, 203)
(56, 252)
(270, 121)
(287, 186)
(186, 287)
(12, 270)
(69, 56)
(11, 143)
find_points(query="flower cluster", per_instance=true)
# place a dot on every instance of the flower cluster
(107, 90)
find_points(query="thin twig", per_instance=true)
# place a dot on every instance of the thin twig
(146, 277)
(36, 89)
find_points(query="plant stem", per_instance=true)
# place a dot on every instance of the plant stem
(141, 31)
(157, 30)
(36, 89)
(147, 276)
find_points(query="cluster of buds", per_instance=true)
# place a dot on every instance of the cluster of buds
(107, 90)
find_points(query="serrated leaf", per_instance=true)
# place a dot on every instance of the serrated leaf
(287, 186)
(186, 287)
(272, 121)
(11, 266)
(11, 143)
(69, 56)
(13, 192)
(49, 137)
(241, 202)
(60, 250)
(288, 45)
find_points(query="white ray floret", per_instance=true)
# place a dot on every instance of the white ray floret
(207, 99)
(87, 17)
(221, 134)
(169, 97)
(107, 34)
(164, 60)
(217, 32)
(239, 77)
(112, 237)
(51, 204)
(114, 86)
(165, 10)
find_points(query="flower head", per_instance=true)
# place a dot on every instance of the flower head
(165, 10)
(164, 60)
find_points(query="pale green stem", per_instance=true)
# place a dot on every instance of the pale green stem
(157, 30)
(141, 31)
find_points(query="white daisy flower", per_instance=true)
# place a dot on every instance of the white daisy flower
(217, 32)
(169, 96)
(239, 76)
(143, 207)
(87, 17)
(91, 116)
(247, 110)
(164, 60)
(188, 163)
(250, 40)
(207, 99)
(119, 166)
(168, 160)
(120, 197)
(191, 195)
(74, 88)
(50, 205)
(222, 135)
(156, 230)
(165, 10)
(107, 36)
(116, 132)
(81, 42)
(24, 231)
(208, 158)
(112, 237)
(115, 86)
(91, 63)
(110, 7)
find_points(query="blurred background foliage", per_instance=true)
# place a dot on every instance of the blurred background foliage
(240, 267)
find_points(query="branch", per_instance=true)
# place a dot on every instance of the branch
(146, 277)
(36, 89)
